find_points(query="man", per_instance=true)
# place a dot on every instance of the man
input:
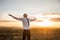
(26, 23)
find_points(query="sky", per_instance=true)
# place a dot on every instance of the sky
(47, 12)
(32, 7)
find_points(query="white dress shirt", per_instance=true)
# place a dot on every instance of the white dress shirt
(25, 23)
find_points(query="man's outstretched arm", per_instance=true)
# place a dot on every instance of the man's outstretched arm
(33, 19)
(14, 17)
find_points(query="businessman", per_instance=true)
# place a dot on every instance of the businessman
(26, 23)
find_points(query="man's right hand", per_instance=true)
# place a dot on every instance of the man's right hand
(9, 14)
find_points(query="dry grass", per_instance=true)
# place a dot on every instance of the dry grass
(36, 34)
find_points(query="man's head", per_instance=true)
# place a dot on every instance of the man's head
(25, 15)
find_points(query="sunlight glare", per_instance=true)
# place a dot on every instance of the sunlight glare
(45, 23)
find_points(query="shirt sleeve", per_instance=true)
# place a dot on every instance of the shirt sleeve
(32, 19)
(19, 19)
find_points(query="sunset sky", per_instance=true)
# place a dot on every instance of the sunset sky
(32, 7)
(43, 10)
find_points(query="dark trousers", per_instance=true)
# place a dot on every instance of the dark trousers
(26, 33)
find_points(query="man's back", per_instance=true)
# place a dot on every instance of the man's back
(26, 23)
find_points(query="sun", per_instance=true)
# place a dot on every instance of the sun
(45, 23)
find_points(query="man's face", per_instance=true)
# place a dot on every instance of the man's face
(25, 15)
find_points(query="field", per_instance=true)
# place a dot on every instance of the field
(36, 34)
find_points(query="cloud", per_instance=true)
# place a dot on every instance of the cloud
(39, 21)
(51, 13)
(55, 19)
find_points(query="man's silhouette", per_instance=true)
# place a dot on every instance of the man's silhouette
(26, 23)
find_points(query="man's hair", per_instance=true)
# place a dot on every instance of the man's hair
(25, 15)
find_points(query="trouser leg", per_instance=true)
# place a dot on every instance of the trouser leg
(24, 35)
(28, 35)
